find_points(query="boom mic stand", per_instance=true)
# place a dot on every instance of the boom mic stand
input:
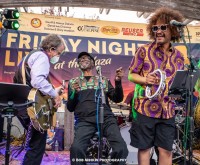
(189, 103)
(101, 113)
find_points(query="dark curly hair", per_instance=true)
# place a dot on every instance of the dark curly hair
(51, 41)
(166, 15)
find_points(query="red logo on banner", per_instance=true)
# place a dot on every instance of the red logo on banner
(132, 31)
(36, 22)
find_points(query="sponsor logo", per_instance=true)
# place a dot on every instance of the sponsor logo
(87, 28)
(197, 34)
(110, 30)
(36, 22)
(132, 32)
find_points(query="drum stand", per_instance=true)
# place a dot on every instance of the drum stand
(177, 151)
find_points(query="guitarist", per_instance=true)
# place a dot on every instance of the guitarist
(34, 70)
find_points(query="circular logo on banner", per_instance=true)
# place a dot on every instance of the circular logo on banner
(36, 22)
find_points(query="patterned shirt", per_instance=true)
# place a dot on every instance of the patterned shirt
(147, 59)
(84, 102)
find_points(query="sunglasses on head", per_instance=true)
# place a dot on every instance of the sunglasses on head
(155, 28)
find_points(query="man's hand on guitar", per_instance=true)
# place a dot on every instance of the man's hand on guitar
(60, 90)
(57, 101)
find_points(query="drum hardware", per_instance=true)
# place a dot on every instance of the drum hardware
(177, 145)
(179, 108)
(121, 119)
(178, 151)
(179, 119)
(177, 148)
(119, 113)
(92, 150)
(120, 106)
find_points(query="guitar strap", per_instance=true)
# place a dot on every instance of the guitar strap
(23, 70)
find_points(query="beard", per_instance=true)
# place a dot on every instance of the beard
(85, 65)
(160, 39)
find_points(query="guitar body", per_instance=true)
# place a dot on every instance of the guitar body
(41, 113)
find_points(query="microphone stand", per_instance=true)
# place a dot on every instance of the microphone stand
(101, 116)
(9, 111)
(189, 97)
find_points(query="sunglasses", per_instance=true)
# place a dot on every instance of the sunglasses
(155, 28)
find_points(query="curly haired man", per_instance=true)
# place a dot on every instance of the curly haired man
(153, 119)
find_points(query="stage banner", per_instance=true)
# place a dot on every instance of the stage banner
(93, 28)
(17, 44)
(113, 45)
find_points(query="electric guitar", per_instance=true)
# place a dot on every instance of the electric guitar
(42, 111)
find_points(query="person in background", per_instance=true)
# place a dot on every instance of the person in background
(153, 119)
(128, 101)
(82, 100)
(37, 67)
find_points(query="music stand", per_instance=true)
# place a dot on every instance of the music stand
(182, 82)
(183, 86)
(12, 96)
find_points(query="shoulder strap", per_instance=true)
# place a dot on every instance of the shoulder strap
(23, 70)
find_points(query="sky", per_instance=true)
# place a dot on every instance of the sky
(94, 13)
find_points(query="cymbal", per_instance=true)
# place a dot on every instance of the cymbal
(179, 108)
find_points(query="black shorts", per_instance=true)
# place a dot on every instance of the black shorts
(147, 132)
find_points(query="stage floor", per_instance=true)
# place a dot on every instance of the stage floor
(60, 158)
(50, 158)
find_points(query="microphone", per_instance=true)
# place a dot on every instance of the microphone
(98, 69)
(101, 86)
(176, 23)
